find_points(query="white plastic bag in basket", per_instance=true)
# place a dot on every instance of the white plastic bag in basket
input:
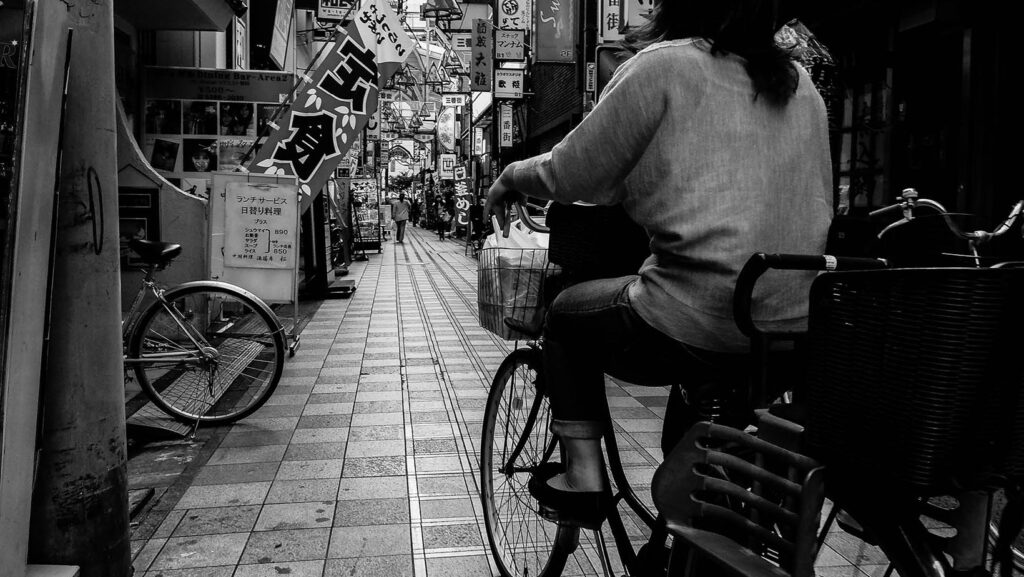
(516, 282)
(518, 237)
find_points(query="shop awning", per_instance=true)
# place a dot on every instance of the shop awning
(177, 15)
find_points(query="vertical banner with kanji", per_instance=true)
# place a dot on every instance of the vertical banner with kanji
(482, 66)
(505, 126)
(463, 200)
(556, 30)
(334, 104)
(608, 27)
(513, 14)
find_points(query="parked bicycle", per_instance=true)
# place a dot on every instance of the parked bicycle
(516, 442)
(203, 351)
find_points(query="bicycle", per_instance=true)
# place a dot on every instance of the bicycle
(203, 351)
(520, 443)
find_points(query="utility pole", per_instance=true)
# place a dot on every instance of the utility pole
(80, 498)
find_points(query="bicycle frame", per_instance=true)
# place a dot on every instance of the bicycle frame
(128, 325)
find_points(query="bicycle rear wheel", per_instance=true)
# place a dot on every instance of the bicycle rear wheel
(213, 353)
(516, 439)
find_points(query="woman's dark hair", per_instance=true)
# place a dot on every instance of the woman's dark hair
(742, 27)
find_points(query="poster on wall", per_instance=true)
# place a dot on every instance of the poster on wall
(198, 121)
(556, 31)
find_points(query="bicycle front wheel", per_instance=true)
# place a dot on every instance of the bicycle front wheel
(516, 439)
(208, 352)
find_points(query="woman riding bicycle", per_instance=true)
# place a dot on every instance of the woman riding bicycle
(717, 144)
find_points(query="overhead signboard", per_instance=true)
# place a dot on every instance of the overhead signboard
(513, 14)
(556, 31)
(446, 129)
(505, 126)
(334, 9)
(611, 19)
(509, 44)
(508, 83)
(452, 100)
(284, 18)
(447, 168)
(482, 65)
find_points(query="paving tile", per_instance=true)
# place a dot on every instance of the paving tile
(217, 520)
(200, 551)
(471, 566)
(446, 508)
(376, 419)
(324, 421)
(166, 526)
(362, 488)
(443, 536)
(307, 515)
(255, 438)
(271, 411)
(441, 485)
(258, 454)
(328, 409)
(302, 490)
(328, 469)
(391, 566)
(315, 451)
(370, 541)
(375, 448)
(287, 545)
(426, 446)
(377, 407)
(321, 435)
(223, 495)
(334, 388)
(364, 396)
(257, 422)
(236, 473)
(292, 569)
(374, 466)
(431, 417)
(358, 512)
(438, 464)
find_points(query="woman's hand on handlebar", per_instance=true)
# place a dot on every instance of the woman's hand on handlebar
(501, 197)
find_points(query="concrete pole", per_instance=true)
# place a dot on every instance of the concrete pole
(80, 498)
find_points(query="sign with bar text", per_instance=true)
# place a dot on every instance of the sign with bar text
(508, 83)
(334, 104)
(509, 44)
(556, 31)
(481, 67)
(454, 99)
(513, 14)
(505, 126)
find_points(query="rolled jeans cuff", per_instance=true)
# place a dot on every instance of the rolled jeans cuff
(578, 429)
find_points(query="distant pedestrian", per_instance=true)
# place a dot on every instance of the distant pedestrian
(444, 220)
(400, 214)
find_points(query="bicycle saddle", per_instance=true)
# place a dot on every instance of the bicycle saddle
(155, 252)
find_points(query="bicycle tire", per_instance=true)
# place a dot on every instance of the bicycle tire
(1017, 547)
(249, 353)
(537, 547)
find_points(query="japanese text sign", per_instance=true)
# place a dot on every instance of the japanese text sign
(453, 100)
(505, 126)
(447, 168)
(334, 104)
(259, 227)
(513, 14)
(556, 30)
(463, 200)
(481, 64)
(508, 44)
(334, 9)
(608, 29)
(508, 83)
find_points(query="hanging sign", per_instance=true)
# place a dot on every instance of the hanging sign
(479, 143)
(482, 60)
(633, 13)
(609, 31)
(447, 168)
(505, 126)
(591, 83)
(509, 44)
(373, 126)
(334, 104)
(556, 31)
(463, 200)
(513, 14)
(283, 18)
(334, 9)
(454, 99)
(508, 83)
(446, 129)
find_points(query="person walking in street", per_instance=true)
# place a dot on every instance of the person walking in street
(400, 214)
(721, 151)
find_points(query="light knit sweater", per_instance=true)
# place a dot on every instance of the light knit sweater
(712, 174)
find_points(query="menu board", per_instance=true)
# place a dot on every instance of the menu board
(259, 226)
(366, 200)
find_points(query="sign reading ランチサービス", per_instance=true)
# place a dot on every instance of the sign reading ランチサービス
(333, 105)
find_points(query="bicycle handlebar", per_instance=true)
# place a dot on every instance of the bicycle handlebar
(524, 215)
(910, 200)
(760, 263)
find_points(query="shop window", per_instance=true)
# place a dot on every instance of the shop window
(865, 136)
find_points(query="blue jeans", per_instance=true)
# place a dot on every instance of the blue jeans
(592, 329)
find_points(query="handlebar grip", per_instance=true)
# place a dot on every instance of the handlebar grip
(759, 263)
(886, 210)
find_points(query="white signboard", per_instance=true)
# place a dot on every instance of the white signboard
(508, 83)
(449, 100)
(509, 44)
(259, 226)
(505, 126)
(447, 168)
(460, 172)
(334, 9)
(611, 18)
(514, 14)
(282, 31)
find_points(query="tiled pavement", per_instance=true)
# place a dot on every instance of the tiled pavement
(364, 462)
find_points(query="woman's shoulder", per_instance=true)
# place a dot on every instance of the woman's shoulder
(676, 55)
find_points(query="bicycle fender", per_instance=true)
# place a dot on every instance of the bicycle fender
(171, 292)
